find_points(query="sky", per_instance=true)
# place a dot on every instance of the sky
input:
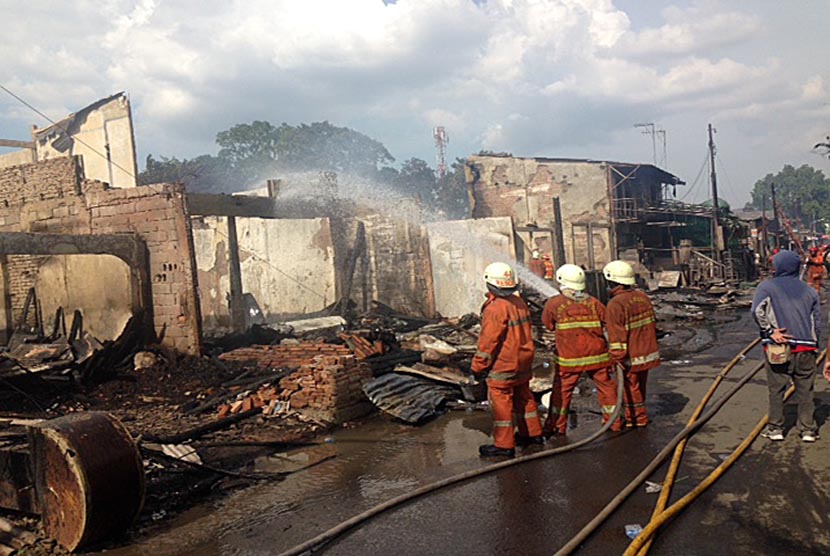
(555, 78)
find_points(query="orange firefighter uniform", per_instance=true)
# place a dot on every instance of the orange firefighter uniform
(537, 267)
(578, 320)
(632, 342)
(815, 269)
(548, 267)
(505, 348)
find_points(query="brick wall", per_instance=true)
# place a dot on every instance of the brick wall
(50, 179)
(73, 205)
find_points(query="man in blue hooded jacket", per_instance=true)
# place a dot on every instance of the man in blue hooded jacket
(787, 311)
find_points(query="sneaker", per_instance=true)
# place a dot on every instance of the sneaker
(773, 433)
(809, 436)
(491, 451)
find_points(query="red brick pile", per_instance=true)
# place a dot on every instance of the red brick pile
(328, 383)
(284, 356)
(331, 387)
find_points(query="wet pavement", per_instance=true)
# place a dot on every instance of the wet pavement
(775, 500)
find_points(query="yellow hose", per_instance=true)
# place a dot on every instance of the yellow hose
(656, 522)
(665, 492)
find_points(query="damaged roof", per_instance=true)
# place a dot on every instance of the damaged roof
(61, 132)
(666, 177)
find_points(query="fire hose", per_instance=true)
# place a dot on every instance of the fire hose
(353, 522)
(641, 544)
(688, 431)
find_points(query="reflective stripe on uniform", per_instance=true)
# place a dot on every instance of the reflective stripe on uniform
(609, 409)
(579, 361)
(643, 359)
(531, 415)
(558, 410)
(484, 355)
(578, 324)
(508, 376)
(519, 322)
(639, 323)
(618, 346)
(502, 423)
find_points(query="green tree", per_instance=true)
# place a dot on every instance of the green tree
(204, 173)
(259, 149)
(451, 194)
(417, 179)
(802, 193)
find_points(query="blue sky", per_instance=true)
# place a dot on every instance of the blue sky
(533, 77)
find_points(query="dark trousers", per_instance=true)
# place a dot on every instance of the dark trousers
(802, 370)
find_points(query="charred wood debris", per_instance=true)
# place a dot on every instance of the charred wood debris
(200, 422)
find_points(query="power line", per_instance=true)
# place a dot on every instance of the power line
(78, 139)
(695, 183)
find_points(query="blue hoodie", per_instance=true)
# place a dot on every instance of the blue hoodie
(784, 301)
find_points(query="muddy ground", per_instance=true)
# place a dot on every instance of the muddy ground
(319, 476)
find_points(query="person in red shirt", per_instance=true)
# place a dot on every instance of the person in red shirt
(632, 337)
(578, 320)
(505, 350)
(548, 267)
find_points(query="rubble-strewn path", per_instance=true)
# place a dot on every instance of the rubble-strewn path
(774, 501)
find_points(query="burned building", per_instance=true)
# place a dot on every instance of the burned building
(588, 212)
(101, 133)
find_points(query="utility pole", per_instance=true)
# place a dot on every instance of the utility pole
(764, 231)
(776, 217)
(715, 219)
(665, 162)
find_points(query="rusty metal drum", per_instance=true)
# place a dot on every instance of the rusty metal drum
(88, 475)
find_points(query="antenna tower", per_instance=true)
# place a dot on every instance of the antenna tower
(441, 140)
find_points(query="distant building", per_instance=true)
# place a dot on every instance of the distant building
(609, 210)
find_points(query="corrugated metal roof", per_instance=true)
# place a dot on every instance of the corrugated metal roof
(409, 398)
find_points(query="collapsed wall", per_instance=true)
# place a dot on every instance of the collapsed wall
(54, 197)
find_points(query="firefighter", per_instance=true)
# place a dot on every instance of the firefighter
(548, 267)
(632, 338)
(506, 350)
(536, 265)
(578, 320)
(815, 269)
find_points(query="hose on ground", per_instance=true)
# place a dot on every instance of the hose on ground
(671, 474)
(641, 544)
(353, 522)
(615, 502)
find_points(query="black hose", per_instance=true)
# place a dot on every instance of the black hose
(615, 502)
(353, 522)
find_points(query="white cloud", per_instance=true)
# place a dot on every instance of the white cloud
(526, 76)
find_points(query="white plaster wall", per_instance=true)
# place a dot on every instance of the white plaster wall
(211, 246)
(460, 250)
(98, 285)
(288, 265)
(15, 158)
(109, 125)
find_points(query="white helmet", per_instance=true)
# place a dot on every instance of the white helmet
(536, 254)
(619, 272)
(500, 275)
(572, 277)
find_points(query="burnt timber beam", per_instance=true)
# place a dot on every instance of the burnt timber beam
(17, 144)
(207, 204)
